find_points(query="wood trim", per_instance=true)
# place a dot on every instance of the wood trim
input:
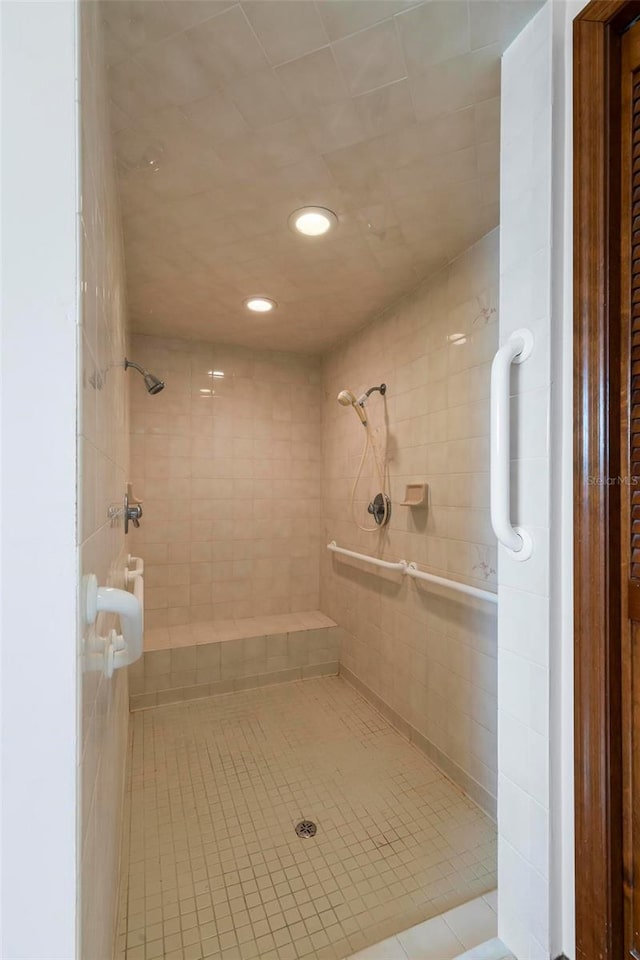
(630, 443)
(634, 600)
(597, 594)
(607, 12)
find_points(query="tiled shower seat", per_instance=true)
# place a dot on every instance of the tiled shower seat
(205, 659)
(193, 633)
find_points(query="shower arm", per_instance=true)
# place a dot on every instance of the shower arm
(152, 383)
(382, 389)
(136, 366)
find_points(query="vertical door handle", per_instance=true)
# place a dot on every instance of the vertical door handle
(516, 540)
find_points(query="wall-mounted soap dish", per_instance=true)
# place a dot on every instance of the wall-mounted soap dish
(416, 495)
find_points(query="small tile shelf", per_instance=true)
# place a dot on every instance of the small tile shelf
(207, 659)
(415, 495)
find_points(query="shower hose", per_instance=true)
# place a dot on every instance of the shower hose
(369, 441)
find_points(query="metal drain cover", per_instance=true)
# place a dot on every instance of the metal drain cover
(306, 828)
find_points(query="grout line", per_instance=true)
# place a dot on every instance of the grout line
(229, 780)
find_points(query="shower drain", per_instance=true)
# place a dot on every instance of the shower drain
(306, 828)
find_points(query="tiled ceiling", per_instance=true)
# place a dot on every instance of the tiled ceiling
(229, 116)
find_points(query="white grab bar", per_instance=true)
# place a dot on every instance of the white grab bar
(411, 570)
(120, 650)
(138, 592)
(138, 569)
(374, 561)
(516, 540)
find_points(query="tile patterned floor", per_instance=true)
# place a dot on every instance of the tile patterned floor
(492, 950)
(458, 934)
(212, 867)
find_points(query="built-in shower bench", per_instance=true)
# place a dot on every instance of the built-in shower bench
(206, 659)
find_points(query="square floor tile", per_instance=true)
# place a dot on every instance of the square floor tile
(433, 940)
(215, 790)
(473, 922)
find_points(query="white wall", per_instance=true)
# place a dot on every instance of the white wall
(524, 587)
(38, 442)
(528, 891)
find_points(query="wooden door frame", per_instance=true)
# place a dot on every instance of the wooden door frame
(597, 574)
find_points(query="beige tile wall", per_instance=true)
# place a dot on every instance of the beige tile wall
(429, 655)
(211, 668)
(229, 471)
(103, 445)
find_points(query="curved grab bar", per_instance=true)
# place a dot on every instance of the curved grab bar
(138, 569)
(517, 541)
(127, 606)
(138, 592)
(125, 649)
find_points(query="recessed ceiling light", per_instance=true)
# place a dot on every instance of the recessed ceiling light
(216, 374)
(260, 304)
(312, 221)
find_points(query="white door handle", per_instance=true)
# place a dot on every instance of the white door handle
(516, 540)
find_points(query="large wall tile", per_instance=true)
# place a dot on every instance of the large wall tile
(429, 654)
(227, 461)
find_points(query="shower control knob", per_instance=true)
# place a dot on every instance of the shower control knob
(380, 509)
(132, 513)
(135, 514)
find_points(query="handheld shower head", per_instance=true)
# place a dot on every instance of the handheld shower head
(152, 383)
(347, 398)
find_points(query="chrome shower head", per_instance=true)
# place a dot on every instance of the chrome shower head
(152, 383)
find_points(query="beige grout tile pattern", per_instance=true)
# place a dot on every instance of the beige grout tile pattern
(212, 867)
(227, 461)
(227, 665)
(430, 655)
(160, 638)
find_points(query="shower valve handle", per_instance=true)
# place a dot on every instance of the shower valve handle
(135, 513)
(132, 513)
